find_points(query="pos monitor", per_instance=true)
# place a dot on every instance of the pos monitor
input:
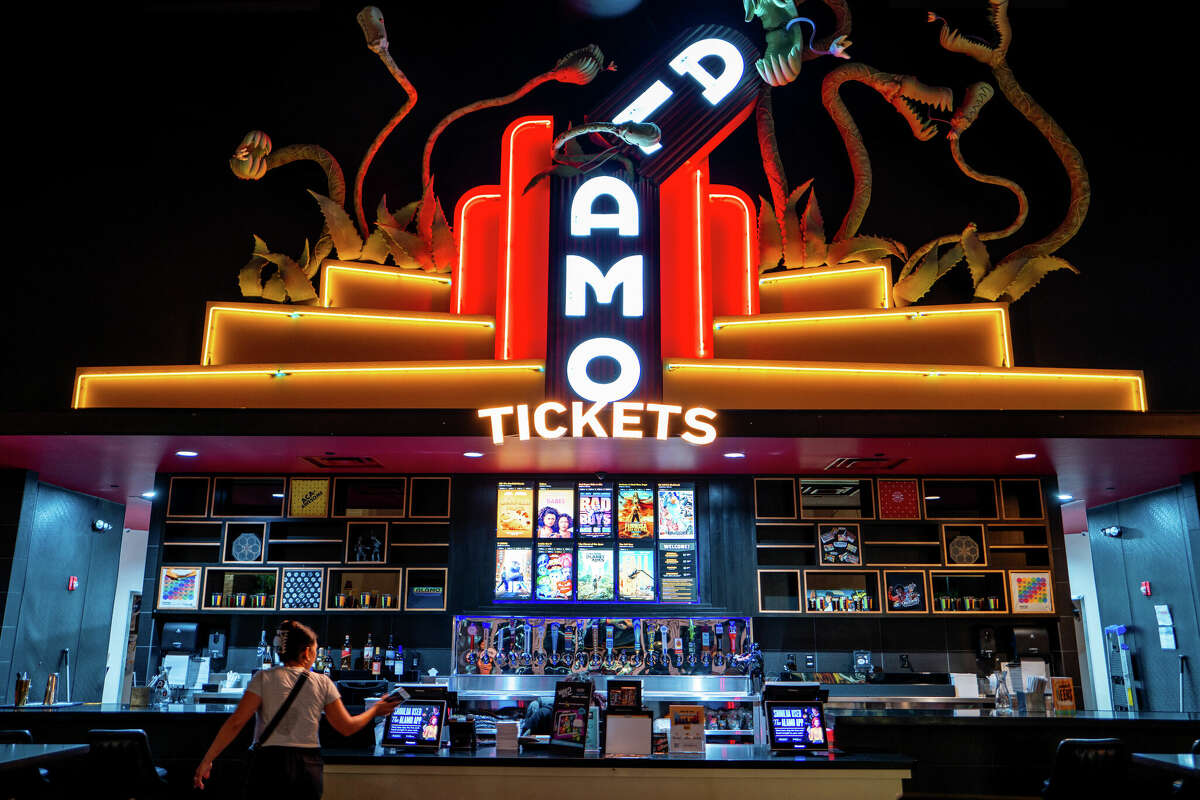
(415, 725)
(797, 725)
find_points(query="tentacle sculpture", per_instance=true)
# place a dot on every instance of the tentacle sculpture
(786, 48)
(768, 148)
(995, 56)
(579, 67)
(370, 19)
(254, 158)
(904, 92)
(975, 98)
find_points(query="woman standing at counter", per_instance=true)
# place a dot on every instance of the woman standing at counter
(287, 702)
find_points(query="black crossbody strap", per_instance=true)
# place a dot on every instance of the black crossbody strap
(283, 709)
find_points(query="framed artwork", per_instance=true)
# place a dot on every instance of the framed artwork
(301, 588)
(1032, 592)
(905, 592)
(899, 499)
(245, 543)
(964, 546)
(179, 588)
(425, 589)
(839, 545)
(366, 542)
(309, 497)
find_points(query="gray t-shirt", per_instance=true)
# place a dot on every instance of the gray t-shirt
(299, 727)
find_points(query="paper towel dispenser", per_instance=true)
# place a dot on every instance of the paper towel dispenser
(1031, 642)
(179, 637)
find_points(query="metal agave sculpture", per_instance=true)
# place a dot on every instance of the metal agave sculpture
(418, 235)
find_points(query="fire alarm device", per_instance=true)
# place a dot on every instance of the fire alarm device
(72, 583)
(1146, 588)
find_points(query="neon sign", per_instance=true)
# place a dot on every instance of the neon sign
(625, 421)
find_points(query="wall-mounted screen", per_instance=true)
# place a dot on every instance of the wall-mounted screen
(595, 581)
(555, 572)
(635, 511)
(636, 574)
(676, 511)
(514, 573)
(595, 510)
(556, 511)
(514, 510)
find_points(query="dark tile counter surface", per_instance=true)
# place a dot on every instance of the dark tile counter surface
(717, 756)
(987, 716)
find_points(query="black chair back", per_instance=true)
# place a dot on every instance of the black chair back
(1196, 748)
(121, 762)
(16, 737)
(1088, 768)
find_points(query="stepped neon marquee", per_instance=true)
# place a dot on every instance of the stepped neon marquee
(625, 421)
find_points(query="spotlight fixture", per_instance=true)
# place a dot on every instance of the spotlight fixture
(149, 495)
(1025, 456)
(1111, 530)
(186, 453)
(933, 497)
(735, 455)
(473, 454)
(100, 525)
(1066, 497)
(278, 495)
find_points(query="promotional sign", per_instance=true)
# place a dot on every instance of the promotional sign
(636, 568)
(569, 718)
(676, 511)
(555, 572)
(635, 511)
(595, 581)
(514, 510)
(677, 571)
(595, 510)
(513, 573)
(425, 589)
(556, 512)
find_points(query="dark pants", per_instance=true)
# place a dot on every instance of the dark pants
(293, 772)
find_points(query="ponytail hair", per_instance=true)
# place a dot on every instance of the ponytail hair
(293, 639)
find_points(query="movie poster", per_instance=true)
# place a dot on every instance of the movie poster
(555, 573)
(514, 510)
(595, 510)
(676, 511)
(513, 575)
(635, 511)
(636, 574)
(595, 574)
(556, 512)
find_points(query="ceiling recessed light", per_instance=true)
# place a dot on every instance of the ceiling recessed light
(735, 455)
(186, 453)
(277, 494)
(933, 497)
(1025, 456)
(149, 495)
(1066, 497)
(473, 454)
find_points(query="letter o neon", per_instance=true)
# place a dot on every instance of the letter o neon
(621, 387)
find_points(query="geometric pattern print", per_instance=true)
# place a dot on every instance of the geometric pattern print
(301, 588)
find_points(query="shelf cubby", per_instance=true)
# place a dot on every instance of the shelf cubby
(347, 586)
(786, 534)
(240, 589)
(974, 592)
(959, 498)
(830, 591)
(779, 591)
(837, 498)
(1021, 498)
(775, 499)
(251, 497)
(784, 555)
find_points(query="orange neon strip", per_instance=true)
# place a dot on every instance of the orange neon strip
(928, 373)
(1000, 311)
(825, 272)
(278, 372)
(749, 215)
(508, 222)
(462, 243)
(699, 266)
(393, 272)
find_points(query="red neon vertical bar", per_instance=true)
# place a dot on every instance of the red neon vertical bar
(685, 263)
(523, 268)
(734, 241)
(477, 217)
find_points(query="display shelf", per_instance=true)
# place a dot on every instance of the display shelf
(902, 554)
(1021, 498)
(1008, 557)
(837, 498)
(429, 497)
(775, 499)
(841, 591)
(187, 497)
(974, 592)
(248, 497)
(959, 499)
(964, 545)
(191, 552)
(786, 555)
(347, 586)
(369, 498)
(786, 533)
(1017, 536)
(239, 589)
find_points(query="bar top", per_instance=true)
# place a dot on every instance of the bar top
(716, 756)
(988, 716)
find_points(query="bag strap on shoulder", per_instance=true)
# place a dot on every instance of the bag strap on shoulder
(283, 709)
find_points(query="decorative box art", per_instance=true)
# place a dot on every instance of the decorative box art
(179, 587)
(1031, 592)
(899, 499)
(906, 592)
(366, 542)
(302, 588)
(839, 544)
(309, 497)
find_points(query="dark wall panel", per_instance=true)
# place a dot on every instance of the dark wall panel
(1157, 544)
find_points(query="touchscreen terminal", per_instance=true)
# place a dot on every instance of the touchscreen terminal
(796, 726)
(415, 725)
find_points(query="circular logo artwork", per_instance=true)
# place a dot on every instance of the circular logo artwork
(247, 547)
(897, 496)
(963, 550)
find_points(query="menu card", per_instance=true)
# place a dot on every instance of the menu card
(569, 719)
(687, 729)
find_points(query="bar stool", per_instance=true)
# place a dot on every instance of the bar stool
(28, 782)
(1088, 768)
(122, 766)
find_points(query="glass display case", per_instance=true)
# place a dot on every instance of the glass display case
(502, 664)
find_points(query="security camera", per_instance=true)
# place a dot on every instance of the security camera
(601, 476)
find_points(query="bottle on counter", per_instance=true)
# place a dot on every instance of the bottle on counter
(368, 652)
(347, 657)
(319, 664)
(377, 662)
(265, 661)
(389, 657)
(400, 662)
